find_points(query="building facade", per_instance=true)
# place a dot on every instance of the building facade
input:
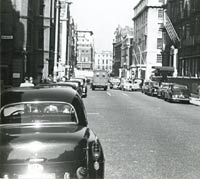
(126, 69)
(67, 42)
(185, 17)
(122, 56)
(183, 54)
(85, 50)
(103, 61)
(147, 45)
(24, 26)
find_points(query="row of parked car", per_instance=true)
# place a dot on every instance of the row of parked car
(79, 84)
(44, 133)
(126, 84)
(167, 91)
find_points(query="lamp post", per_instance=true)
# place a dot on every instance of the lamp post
(67, 43)
(57, 19)
(25, 60)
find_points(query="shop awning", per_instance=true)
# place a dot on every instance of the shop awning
(164, 68)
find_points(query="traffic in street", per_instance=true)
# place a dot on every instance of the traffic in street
(144, 136)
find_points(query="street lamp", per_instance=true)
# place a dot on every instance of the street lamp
(57, 19)
(25, 60)
(67, 43)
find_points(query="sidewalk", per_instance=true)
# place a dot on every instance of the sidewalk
(195, 101)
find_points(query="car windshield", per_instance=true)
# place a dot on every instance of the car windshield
(38, 112)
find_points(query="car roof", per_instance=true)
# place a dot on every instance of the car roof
(13, 95)
(64, 84)
(28, 94)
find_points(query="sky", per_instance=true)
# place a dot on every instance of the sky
(102, 17)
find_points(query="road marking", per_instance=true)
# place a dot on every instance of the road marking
(124, 94)
(109, 94)
(93, 113)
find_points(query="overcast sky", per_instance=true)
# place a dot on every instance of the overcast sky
(102, 17)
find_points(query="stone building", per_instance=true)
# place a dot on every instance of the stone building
(147, 45)
(85, 50)
(103, 61)
(24, 52)
(122, 56)
(184, 53)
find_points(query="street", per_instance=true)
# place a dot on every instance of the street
(145, 137)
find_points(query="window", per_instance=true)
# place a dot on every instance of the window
(159, 58)
(160, 13)
(159, 43)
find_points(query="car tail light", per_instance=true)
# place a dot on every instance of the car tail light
(96, 150)
(81, 172)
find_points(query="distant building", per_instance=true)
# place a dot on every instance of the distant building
(103, 61)
(147, 45)
(85, 50)
(121, 50)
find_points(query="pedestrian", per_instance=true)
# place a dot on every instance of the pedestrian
(26, 83)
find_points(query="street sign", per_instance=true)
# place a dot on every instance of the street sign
(7, 37)
(16, 75)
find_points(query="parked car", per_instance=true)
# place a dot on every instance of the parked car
(114, 83)
(153, 88)
(74, 85)
(162, 88)
(146, 86)
(137, 84)
(127, 85)
(79, 86)
(44, 134)
(83, 84)
(177, 93)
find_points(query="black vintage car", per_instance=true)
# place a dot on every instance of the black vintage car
(82, 84)
(44, 134)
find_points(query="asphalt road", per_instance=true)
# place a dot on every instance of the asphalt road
(145, 137)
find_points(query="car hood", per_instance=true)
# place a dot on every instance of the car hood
(50, 143)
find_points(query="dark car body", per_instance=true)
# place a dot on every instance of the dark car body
(161, 90)
(153, 88)
(83, 85)
(52, 142)
(146, 87)
(74, 85)
(177, 93)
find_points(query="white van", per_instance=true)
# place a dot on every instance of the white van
(100, 79)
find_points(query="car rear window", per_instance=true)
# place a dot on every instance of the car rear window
(40, 112)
